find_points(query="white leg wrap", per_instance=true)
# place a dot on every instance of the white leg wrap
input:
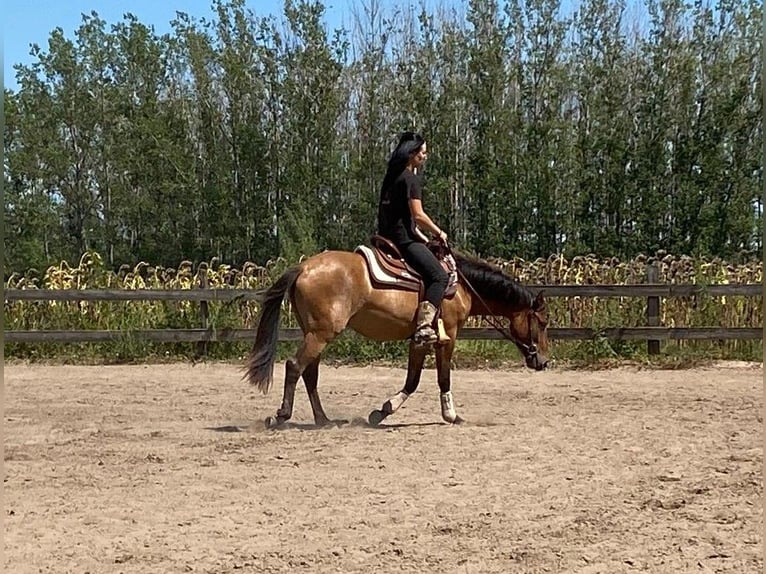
(448, 407)
(398, 400)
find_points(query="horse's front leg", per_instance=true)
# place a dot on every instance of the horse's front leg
(443, 371)
(414, 369)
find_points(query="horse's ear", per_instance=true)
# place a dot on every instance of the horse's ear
(539, 302)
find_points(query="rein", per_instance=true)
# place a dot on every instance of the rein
(529, 349)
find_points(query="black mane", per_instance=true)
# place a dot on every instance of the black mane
(491, 282)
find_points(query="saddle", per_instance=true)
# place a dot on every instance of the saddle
(388, 269)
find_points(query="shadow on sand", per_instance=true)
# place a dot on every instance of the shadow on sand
(357, 422)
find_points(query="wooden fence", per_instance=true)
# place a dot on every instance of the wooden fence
(653, 332)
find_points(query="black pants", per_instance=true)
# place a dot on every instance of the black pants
(425, 263)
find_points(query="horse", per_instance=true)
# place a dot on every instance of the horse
(332, 291)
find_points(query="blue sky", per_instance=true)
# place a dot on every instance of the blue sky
(27, 22)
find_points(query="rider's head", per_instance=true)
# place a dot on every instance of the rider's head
(411, 150)
(410, 145)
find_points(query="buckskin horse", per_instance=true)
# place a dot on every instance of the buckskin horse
(334, 290)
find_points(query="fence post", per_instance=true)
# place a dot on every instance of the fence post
(652, 309)
(203, 307)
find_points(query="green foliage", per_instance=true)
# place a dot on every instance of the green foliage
(247, 136)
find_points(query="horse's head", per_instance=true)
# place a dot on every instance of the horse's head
(529, 331)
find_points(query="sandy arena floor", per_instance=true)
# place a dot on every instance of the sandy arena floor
(167, 468)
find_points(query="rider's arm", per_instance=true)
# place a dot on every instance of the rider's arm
(422, 220)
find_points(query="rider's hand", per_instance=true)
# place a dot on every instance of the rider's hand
(443, 237)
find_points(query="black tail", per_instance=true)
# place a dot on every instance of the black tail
(260, 362)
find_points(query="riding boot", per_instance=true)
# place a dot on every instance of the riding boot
(425, 333)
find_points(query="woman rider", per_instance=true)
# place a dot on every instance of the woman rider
(400, 220)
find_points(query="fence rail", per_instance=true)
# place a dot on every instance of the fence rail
(653, 333)
(232, 335)
(219, 295)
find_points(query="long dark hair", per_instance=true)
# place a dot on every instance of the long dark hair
(409, 144)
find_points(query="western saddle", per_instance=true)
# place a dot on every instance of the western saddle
(388, 269)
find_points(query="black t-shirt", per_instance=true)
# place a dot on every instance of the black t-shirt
(394, 217)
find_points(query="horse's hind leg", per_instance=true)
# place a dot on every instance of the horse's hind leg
(311, 379)
(308, 353)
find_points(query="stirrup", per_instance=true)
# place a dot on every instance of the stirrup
(441, 332)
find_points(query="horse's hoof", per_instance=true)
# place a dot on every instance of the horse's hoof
(272, 422)
(376, 417)
(456, 421)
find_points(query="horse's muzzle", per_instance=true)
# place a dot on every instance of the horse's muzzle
(536, 362)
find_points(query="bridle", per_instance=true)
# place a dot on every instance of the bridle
(529, 349)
